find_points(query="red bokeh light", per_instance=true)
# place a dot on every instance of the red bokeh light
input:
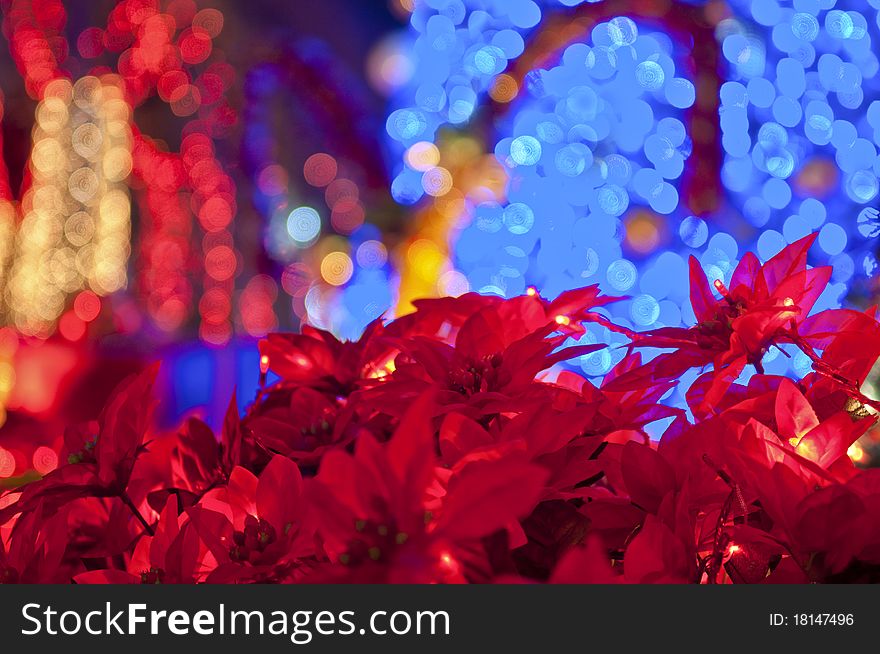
(257, 315)
(347, 215)
(7, 463)
(215, 214)
(71, 327)
(156, 45)
(341, 189)
(220, 263)
(195, 47)
(296, 280)
(215, 306)
(272, 180)
(320, 169)
(208, 22)
(45, 460)
(87, 306)
(183, 10)
(211, 87)
(90, 43)
(185, 100)
(169, 82)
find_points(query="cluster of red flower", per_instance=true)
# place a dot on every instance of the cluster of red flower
(438, 449)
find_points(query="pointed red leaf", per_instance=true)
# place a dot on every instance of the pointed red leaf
(411, 449)
(794, 415)
(792, 259)
(486, 495)
(646, 474)
(278, 492)
(123, 425)
(702, 299)
(656, 555)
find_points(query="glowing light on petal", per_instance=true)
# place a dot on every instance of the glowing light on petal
(856, 453)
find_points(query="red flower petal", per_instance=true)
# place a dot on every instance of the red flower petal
(486, 495)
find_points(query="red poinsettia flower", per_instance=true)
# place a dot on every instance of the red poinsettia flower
(32, 551)
(645, 517)
(443, 317)
(850, 346)
(623, 409)
(388, 514)
(587, 564)
(494, 359)
(174, 554)
(572, 309)
(256, 527)
(99, 465)
(300, 423)
(447, 446)
(564, 433)
(192, 460)
(763, 308)
(307, 411)
(318, 360)
(755, 468)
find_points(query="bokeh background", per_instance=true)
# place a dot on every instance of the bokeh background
(261, 87)
(181, 177)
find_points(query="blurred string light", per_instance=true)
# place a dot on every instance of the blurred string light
(470, 44)
(335, 265)
(493, 37)
(167, 50)
(7, 219)
(165, 235)
(75, 227)
(162, 49)
(8, 348)
(600, 150)
(801, 149)
(52, 253)
(468, 176)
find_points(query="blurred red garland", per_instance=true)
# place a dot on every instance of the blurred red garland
(431, 450)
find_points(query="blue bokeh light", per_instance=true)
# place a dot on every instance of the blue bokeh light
(600, 136)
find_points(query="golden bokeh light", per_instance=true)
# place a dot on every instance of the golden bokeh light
(504, 88)
(643, 230)
(336, 268)
(422, 156)
(75, 224)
